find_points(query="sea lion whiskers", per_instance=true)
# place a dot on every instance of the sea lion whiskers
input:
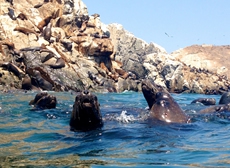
(86, 112)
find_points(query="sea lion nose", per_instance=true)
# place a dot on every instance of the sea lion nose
(86, 92)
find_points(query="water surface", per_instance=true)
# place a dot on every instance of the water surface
(43, 139)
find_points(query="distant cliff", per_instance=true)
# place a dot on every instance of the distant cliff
(211, 58)
(58, 46)
(179, 71)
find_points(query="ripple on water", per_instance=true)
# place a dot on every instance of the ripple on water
(43, 139)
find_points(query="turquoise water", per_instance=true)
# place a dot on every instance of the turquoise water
(42, 138)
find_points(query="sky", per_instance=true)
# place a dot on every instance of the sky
(172, 24)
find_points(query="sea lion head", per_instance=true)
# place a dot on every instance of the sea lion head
(162, 105)
(225, 98)
(166, 109)
(86, 112)
(205, 101)
(150, 89)
(44, 100)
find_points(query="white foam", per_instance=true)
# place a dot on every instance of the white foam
(124, 118)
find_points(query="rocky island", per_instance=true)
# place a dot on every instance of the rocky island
(56, 45)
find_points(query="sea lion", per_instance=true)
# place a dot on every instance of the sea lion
(10, 1)
(205, 101)
(11, 14)
(86, 113)
(95, 35)
(162, 105)
(9, 44)
(44, 100)
(26, 83)
(57, 14)
(59, 1)
(83, 27)
(166, 109)
(225, 98)
(39, 5)
(149, 90)
(216, 109)
(122, 73)
(1, 50)
(60, 63)
(68, 45)
(31, 49)
(13, 68)
(47, 32)
(26, 31)
(44, 23)
(224, 105)
(41, 82)
(22, 16)
(96, 79)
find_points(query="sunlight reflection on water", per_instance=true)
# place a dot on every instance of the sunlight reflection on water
(43, 138)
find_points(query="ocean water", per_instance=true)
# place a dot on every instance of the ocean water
(31, 138)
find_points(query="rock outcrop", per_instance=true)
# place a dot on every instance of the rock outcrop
(172, 71)
(57, 45)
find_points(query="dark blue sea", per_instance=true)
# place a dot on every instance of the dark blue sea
(30, 138)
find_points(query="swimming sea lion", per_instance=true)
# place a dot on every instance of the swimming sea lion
(166, 109)
(225, 98)
(86, 113)
(162, 105)
(216, 108)
(44, 100)
(205, 101)
(149, 90)
(224, 105)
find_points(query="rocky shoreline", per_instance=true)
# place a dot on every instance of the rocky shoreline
(58, 46)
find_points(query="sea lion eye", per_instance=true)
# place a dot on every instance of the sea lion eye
(159, 94)
(76, 98)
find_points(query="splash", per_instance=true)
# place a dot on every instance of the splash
(124, 118)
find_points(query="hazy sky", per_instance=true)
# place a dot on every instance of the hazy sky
(173, 24)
